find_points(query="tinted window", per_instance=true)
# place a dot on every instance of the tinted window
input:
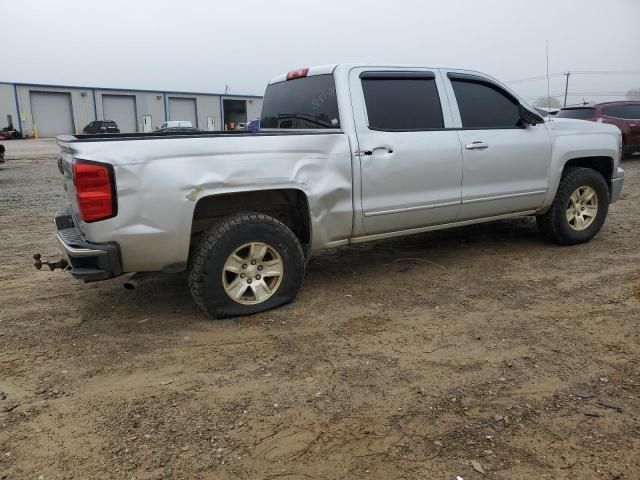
(579, 113)
(399, 102)
(483, 105)
(630, 112)
(308, 102)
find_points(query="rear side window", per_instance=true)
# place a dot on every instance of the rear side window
(628, 112)
(402, 101)
(308, 102)
(483, 105)
(578, 113)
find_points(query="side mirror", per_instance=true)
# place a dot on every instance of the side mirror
(528, 117)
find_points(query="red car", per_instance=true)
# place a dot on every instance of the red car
(624, 115)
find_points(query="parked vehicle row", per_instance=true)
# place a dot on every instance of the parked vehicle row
(346, 154)
(624, 115)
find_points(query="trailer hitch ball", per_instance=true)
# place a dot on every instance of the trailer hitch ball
(38, 263)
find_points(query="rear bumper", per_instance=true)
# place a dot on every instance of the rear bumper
(88, 261)
(616, 185)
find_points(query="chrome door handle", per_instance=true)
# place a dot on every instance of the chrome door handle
(476, 146)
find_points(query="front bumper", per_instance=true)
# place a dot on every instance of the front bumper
(631, 151)
(88, 261)
(616, 185)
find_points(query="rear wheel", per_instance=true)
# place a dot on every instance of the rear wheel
(579, 208)
(246, 264)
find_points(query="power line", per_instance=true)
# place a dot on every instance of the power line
(581, 94)
(606, 72)
(530, 79)
(577, 72)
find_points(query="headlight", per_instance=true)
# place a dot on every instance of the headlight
(620, 142)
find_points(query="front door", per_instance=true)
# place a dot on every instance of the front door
(410, 164)
(505, 163)
(146, 124)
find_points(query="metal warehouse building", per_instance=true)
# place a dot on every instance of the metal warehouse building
(50, 110)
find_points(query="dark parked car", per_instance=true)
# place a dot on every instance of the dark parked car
(624, 115)
(102, 126)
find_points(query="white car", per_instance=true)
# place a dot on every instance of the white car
(176, 124)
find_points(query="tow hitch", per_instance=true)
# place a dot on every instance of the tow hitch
(38, 263)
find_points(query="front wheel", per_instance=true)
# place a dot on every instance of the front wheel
(579, 208)
(245, 264)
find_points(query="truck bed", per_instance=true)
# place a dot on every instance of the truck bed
(108, 137)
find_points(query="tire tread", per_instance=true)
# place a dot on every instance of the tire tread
(208, 243)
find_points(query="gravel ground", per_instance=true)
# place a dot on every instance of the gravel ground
(450, 353)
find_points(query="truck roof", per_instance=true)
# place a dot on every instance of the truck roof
(330, 68)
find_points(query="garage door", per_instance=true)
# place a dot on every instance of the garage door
(183, 109)
(52, 114)
(122, 110)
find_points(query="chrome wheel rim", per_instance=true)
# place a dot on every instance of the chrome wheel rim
(582, 208)
(252, 273)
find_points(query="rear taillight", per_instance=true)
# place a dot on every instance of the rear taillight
(95, 190)
(300, 73)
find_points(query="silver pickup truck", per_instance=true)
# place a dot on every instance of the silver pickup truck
(346, 154)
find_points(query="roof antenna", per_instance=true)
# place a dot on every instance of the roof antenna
(548, 87)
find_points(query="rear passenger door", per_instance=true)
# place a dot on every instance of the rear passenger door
(410, 164)
(505, 167)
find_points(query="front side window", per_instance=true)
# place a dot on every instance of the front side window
(405, 101)
(628, 112)
(484, 105)
(308, 102)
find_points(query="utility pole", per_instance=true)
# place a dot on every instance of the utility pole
(566, 88)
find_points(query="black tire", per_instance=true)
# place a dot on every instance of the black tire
(224, 238)
(554, 224)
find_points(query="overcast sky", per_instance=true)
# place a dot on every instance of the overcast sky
(198, 45)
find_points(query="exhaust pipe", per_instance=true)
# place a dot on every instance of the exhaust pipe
(135, 280)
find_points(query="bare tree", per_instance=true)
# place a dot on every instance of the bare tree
(634, 94)
(546, 102)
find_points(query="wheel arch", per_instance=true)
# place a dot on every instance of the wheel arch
(600, 161)
(289, 205)
(604, 165)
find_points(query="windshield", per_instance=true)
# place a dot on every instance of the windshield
(579, 113)
(308, 102)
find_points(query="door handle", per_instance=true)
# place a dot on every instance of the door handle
(387, 150)
(476, 146)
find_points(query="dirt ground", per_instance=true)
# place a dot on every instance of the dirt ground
(430, 357)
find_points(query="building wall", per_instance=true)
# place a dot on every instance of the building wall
(254, 107)
(87, 105)
(8, 105)
(209, 107)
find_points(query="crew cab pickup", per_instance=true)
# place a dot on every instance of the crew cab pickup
(345, 154)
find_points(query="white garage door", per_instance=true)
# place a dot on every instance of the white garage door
(122, 110)
(183, 109)
(52, 114)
